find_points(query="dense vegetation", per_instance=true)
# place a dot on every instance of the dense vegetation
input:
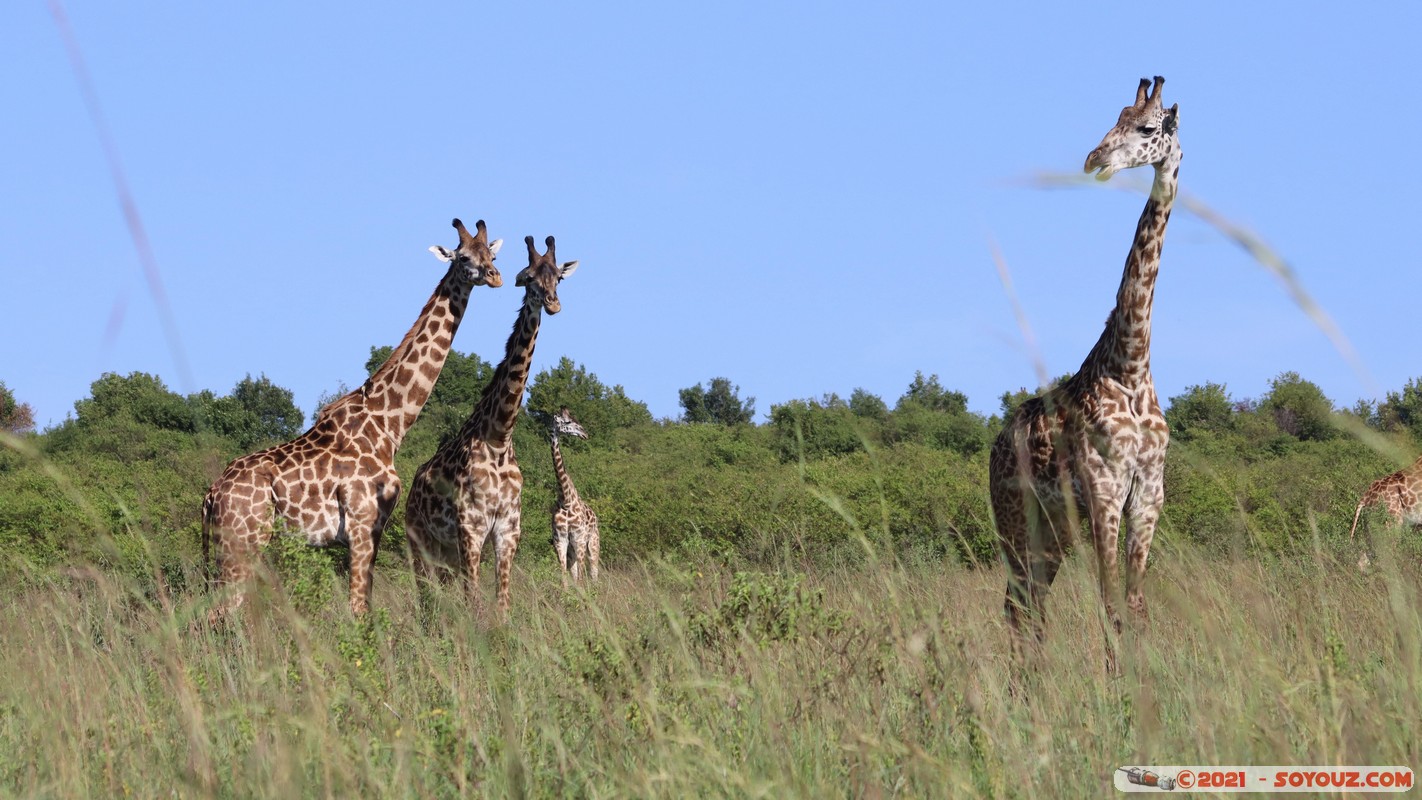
(807, 606)
(821, 478)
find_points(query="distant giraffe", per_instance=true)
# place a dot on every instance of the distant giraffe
(336, 483)
(1095, 444)
(575, 534)
(1399, 493)
(472, 485)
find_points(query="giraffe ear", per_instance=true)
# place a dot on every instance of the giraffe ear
(567, 269)
(495, 245)
(441, 253)
(1172, 119)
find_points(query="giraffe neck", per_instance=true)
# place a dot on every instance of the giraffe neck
(567, 493)
(397, 391)
(1123, 351)
(497, 412)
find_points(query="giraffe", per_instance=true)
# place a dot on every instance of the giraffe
(1095, 445)
(575, 534)
(336, 483)
(472, 485)
(1399, 493)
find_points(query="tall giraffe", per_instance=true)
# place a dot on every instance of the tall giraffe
(472, 486)
(1095, 445)
(575, 533)
(1400, 493)
(336, 483)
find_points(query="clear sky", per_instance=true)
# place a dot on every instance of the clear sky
(802, 197)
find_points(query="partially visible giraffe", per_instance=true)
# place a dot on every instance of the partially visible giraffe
(575, 534)
(472, 486)
(1095, 445)
(1400, 493)
(336, 483)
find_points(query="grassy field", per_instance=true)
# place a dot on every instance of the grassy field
(677, 680)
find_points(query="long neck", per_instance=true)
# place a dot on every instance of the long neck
(567, 494)
(497, 411)
(1123, 351)
(399, 388)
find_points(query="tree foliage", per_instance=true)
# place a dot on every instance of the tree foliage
(720, 404)
(1300, 408)
(1200, 408)
(257, 413)
(138, 396)
(1403, 410)
(598, 407)
(15, 417)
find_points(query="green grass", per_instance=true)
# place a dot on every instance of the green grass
(677, 680)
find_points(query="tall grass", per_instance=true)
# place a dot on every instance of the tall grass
(674, 680)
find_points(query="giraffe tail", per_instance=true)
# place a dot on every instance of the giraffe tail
(1357, 515)
(208, 504)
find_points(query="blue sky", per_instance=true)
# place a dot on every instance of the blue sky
(802, 197)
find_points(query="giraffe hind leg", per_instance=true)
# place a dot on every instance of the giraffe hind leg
(594, 550)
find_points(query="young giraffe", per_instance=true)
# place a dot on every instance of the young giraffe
(575, 535)
(471, 487)
(1399, 493)
(336, 483)
(1095, 445)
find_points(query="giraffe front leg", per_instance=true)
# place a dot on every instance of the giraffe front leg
(560, 546)
(1105, 534)
(474, 528)
(1142, 515)
(368, 512)
(506, 533)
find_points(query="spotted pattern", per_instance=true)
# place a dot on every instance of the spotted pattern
(470, 490)
(336, 483)
(1090, 453)
(576, 540)
(1398, 493)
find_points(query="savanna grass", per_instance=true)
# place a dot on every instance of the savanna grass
(676, 679)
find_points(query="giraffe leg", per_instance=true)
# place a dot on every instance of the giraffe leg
(560, 547)
(369, 513)
(594, 550)
(1105, 534)
(1028, 547)
(1142, 513)
(473, 532)
(238, 531)
(506, 533)
(580, 552)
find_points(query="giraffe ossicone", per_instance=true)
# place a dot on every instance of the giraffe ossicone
(1092, 449)
(336, 483)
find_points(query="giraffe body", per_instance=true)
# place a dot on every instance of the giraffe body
(576, 540)
(470, 490)
(1092, 450)
(336, 483)
(1400, 493)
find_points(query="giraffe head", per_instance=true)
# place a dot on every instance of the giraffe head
(473, 259)
(540, 278)
(560, 424)
(565, 425)
(1144, 134)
